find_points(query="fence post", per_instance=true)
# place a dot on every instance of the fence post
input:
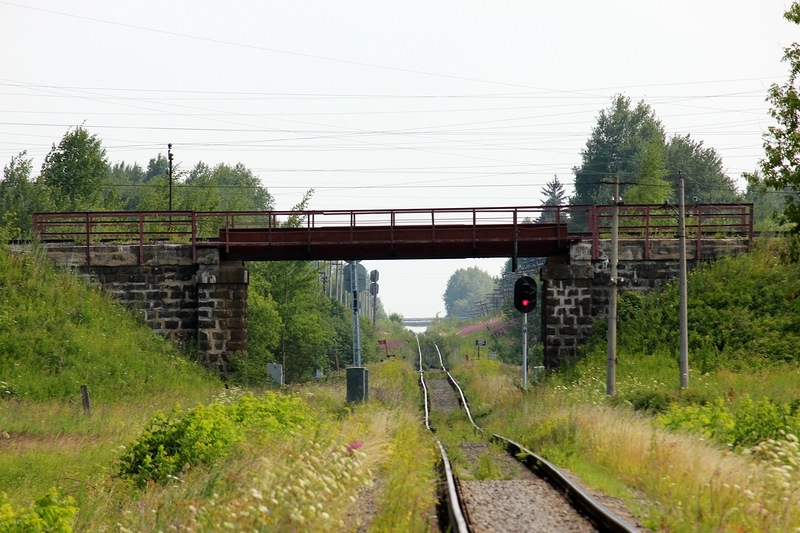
(85, 397)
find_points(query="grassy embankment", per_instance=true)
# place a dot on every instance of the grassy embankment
(715, 457)
(228, 459)
(722, 455)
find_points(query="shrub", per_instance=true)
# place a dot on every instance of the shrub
(739, 425)
(202, 435)
(50, 513)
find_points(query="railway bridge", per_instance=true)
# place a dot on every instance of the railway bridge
(186, 270)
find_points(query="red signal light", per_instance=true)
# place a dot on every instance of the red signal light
(525, 294)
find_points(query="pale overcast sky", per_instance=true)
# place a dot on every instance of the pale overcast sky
(386, 104)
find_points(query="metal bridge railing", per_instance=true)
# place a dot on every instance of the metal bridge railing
(213, 228)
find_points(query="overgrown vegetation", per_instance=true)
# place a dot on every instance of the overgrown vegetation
(721, 455)
(246, 459)
(50, 513)
(204, 434)
(56, 335)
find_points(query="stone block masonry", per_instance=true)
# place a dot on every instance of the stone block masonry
(188, 302)
(204, 301)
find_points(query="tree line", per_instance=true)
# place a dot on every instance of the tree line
(628, 142)
(76, 176)
(290, 320)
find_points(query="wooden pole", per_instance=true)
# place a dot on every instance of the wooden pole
(85, 397)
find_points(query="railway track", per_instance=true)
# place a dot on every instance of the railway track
(532, 495)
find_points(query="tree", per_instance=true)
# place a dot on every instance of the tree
(126, 182)
(615, 148)
(780, 168)
(767, 205)
(650, 187)
(75, 172)
(464, 288)
(224, 188)
(305, 333)
(263, 338)
(554, 195)
(554, 192)
(19, 197)
(158, 167)
(701, 167)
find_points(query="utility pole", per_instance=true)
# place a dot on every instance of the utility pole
(611, 362)
(356, 322)
(525, 351)
(683, 306)
(169, 157)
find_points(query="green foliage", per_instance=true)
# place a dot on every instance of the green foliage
(614, 149)
(305, 333)
(768, 206)
(743, 313)
(465, 287)
(75, 172)
(651, 187)
(702, 170)
(263, 337)
(20, 197)
(127, 182)
(57, 334)
(223, 188)
(51, 513)
(180, 439)
(779, 169)
(629, 142)
(739, 424)
(487, 467)
(554, 195)
(555, 436)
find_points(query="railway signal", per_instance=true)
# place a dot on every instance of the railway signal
(525, 294)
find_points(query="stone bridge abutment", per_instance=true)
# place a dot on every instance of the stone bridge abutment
(577, 287)
(193, 297)
(202, 302)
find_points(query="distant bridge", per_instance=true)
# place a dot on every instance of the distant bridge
(418, 322)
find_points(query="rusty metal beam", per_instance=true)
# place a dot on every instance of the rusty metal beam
(400, 242)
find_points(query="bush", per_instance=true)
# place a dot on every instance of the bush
(740, 425)
(202, 435)
(50, 513)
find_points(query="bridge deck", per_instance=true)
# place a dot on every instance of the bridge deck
(392, 234)
(449, 241)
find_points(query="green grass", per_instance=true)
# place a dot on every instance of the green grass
(721, 455)
(705, 474)
(56, 334)
(93, 470)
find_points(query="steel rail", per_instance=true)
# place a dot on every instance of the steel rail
(602, 516)
(457, 521)
(607, 520)
(455, 384)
